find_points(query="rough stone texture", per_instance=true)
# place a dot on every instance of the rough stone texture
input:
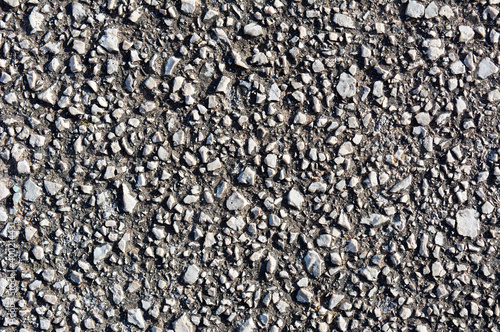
(468, 223)
(191, 274)
(415, 9)
(31, 191)
(250, 165)
(183, 324)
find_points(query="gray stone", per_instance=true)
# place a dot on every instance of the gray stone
(128, 198)
(335, 300)
(117, 292)
(183, 324)
(405, 313)
(466, 33)
(3, 214)
(415, 9)
(437, 270)
(434, 48)
(49, 96)
(346, 87)
(486, 68)
(110, 40)
(247, 326)
(191, 274)
(171, 65)
(431, 10)
(4, 191)
(304, 296)
(423, 118)
(342, 323)
(236, 223)
(236, 202)
(134, 316)
(467, 223)
(343, 21)
(100, 253)
(78, 11)
(13, 4)
(374, 220)
(370, 273)
(317, 187)
(247, 176)
(75, 277)
(274, 93)
(253, 30)
(188, 6)
(346, 149)
(487, 208)
(378, 89)
(314, 263)
(36, 20)
(402, 185)
(494, 96)
(223, 85)
(318, 66)
(38, 253)
(31, 191)
(295, 198)
(52, 188)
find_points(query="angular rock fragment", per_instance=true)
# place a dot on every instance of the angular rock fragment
(467, 223)
(295, 198)
(370, 273)
(247, 176)
(343, 21)
(110, 40)
(223, 85)
(36, 20)
(346, 149)
(486, 68)
(128, 198)
(183, 324)
(415, 9)
(374, 220)
(135, 317)
(236, 202)
(346, 87)
(304, 296)
(49, 96)
(4, 191)
(314, 263)
(31, 191)
(52, 188)
(191, 274)
(402, 185)
(100, 253)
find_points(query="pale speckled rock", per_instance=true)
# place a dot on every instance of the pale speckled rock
(415, 9)
(129, 200)
(253, 30)
(135, 317)
(343, 21)
(236, 202)
(31, 191)
(110, 40)
(295, 198)
(183, 324)
(468, 223)
(191, 274)
(314, 263)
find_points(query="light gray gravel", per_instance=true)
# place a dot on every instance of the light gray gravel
(249, 165)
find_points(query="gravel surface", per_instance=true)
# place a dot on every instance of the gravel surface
(198, 165)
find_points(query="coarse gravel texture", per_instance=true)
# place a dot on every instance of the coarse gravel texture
(249, 166)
